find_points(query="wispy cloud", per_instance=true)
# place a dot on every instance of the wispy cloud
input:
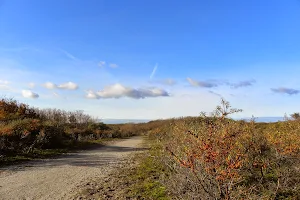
(118, 91)
(214, 93)
(284, 90)
(113, 65)
(153, 71)
(204, 84)
(29, 94)
(69, 55)
(56, 94)
(101, 64)
(4, 84)
(66, 86)
(216, 83)
(240, 84)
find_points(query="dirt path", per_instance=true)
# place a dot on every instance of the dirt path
(59, 178)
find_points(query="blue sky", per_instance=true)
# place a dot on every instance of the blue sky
(151, 59)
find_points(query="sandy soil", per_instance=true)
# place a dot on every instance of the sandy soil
(61, 178)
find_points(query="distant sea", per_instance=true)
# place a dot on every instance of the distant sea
(265, 119)
(124, 121)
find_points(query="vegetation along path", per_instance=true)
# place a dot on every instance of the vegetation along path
(59, 178)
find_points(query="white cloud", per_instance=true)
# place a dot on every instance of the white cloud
(101, 64)
(118, 91)
(153, 71)
(29, 94)
(114, 91)
(91, 95)
(50, 85)
(113, 65)
(68, 86)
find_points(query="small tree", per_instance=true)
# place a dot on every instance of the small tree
(295, 116)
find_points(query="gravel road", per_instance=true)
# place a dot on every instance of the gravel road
(60, 178)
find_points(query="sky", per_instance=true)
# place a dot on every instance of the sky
(151, 59)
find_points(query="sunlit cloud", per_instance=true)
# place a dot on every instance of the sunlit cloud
(66, 86)
(49, 85)
(91, 95)
(119, 91)
(29, 94)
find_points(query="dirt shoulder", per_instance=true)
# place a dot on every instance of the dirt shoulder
(62, 177)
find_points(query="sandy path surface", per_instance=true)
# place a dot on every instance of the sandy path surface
(60, 178)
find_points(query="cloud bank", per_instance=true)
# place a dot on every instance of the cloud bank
(117, 91)
(216, 83)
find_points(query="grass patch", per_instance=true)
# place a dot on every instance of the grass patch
(147, 176)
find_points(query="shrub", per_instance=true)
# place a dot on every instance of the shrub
(229, 159)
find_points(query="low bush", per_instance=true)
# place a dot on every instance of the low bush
(214, 157)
